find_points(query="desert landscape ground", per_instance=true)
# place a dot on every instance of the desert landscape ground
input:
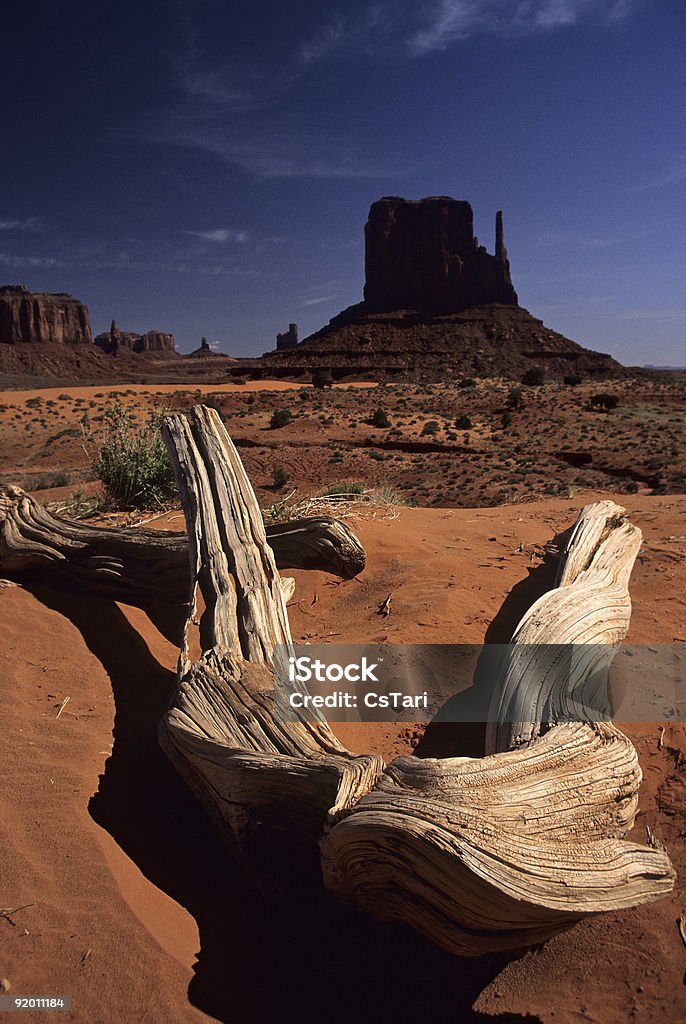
(487, 442)
(122, 895)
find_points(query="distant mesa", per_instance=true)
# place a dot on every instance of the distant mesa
(56, 319)
(152, 341)
(436, 305)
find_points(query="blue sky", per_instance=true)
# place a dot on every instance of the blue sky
(206, 168)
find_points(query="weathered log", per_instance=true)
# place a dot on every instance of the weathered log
(506, 850)
(254, 773)
(477, 854)
(139, 566)
(562, 648)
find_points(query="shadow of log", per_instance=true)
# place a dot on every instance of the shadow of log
(258, 961)
(457, 730)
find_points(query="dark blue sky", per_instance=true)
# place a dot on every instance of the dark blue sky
(206, 167)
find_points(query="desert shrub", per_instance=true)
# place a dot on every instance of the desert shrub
(33, 403)
(430, 427)
(466, 382)
(379, 418)
(604, 401)
(279, 477)
(45, 481)
(572, 379)
(515, 398)
(506, 419)
(463, 423)
(280, 417)
(322, 378)
(133, 463)
(346, 487)
(533, 377)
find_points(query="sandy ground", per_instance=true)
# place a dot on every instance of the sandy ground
(127, 899)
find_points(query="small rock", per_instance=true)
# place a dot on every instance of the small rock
(5, 984)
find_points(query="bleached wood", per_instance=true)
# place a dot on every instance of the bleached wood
(503, 851)
(139, 566)
(478, 854)
(252, 770)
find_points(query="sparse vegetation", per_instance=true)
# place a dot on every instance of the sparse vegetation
(133, 463)
(280, 417)
(533, 377)
(603, 400)
(379, 418)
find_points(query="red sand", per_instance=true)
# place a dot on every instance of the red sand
(136, 911)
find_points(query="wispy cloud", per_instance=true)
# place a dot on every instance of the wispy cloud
(124, 262)
(220, 235)
(449, 21)
(315, 302)
(29, 224)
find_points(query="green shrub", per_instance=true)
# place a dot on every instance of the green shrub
(515, 398)
(430, 427)
(346, 487)
(533, 377)
(466, 382)
(379, 418)
(322, 379)
(463, 423)
(133, 463)
(572, 379)
(280, 417)
(604, 401)
(279, 477)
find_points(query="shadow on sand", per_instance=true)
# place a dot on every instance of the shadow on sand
(463, 731)
(305, 958)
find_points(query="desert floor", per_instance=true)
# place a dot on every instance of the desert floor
(439, 446)
(129, 902)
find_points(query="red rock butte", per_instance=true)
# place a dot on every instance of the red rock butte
(423, 254)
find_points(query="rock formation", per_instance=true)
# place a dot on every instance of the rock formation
(423, 254)
(436, 305)
(289, 338)
(27, 316)
(152, 341)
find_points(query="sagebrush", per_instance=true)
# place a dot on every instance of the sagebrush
(133, 463)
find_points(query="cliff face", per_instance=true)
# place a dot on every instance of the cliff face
(42, 317)
(152, 341)
(422, 254)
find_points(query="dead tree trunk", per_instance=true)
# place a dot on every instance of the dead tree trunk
(505, 850)
(140, 566)
(255, 774)
(477, 854)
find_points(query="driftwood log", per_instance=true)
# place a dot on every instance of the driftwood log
(478, 854)
(139, 566)
(505, 850)
(255, 774)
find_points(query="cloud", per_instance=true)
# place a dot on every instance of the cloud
(122, 261)
(315, 302)
(220, 235)
(29, 224)
(450, 21)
